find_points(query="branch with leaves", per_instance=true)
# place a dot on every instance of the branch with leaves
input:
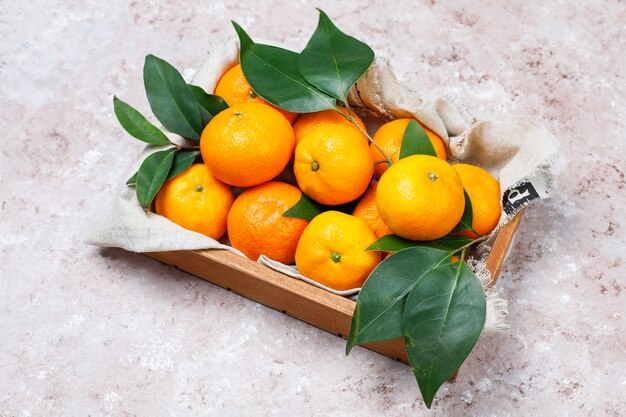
(183, 109)
(318, 78)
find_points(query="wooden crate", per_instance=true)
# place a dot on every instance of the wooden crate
(299, 299)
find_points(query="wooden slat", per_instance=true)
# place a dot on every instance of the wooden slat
(296, 298)
(501, 246)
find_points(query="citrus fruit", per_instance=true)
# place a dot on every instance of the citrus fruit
(256, 225)
(367, 210)
(247, 144)
(389, 138)
(484, 194)
(333, 164)
(332, 251)
(234, 88)
(196, 200)
(310, 121)
(420, 197)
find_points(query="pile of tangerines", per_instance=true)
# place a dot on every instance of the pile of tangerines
(248, 145)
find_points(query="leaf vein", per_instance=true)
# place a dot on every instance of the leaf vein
(445, 316)
(313, 90)
(409, 288)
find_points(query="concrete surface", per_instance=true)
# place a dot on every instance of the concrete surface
(90, 332)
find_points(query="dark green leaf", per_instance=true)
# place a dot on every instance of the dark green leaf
(305, 208)
(152, 174)
(273, 74)
(138, 126)
(171, 99)
(132, 181)
(443, 317)
(378, 312)
(393, 243)
(210, 104)
(182, 161)
(466, 221)
(333, 61)
(415, 141)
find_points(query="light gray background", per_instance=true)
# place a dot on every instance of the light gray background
(96, 332)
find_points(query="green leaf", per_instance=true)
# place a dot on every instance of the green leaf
(152, 174)
(273, 74)
(466, 221)
(415, 141)
(137, 125)
(333, 61)
(379, 307)
(443, 317)
(171, 100)
(132, 181)
(209, 104)
(393, 243)
(182, 161)
(305, 209)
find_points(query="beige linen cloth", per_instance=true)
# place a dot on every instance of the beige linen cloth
(517, 151)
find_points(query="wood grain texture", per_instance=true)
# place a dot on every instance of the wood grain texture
(501, 245)
(299, 299)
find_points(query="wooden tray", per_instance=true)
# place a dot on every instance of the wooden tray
(299, 299)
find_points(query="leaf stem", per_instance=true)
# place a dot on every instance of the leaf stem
(347, 104)
(463, 252)
(351, 118)
(181, 147)
(465, 247)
